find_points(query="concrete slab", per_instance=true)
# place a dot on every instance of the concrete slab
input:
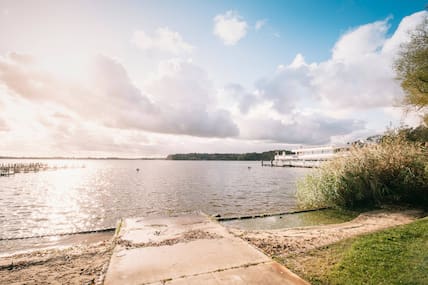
(158, 229)
(190, 249)
(150, 264)
(264, 273)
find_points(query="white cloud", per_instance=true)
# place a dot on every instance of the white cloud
(298, 61)
(3, 125)
(54, 132)
(260, 24)
(185, 95)
(288, 86)
(299, 129)
(240, 96)
(21, 58)
(163, 39)
(180, 100)
(313, 103)
(362, 41)
(367, 82)
(179, 109)
(230, 27)
(401, 35)
(359, 75)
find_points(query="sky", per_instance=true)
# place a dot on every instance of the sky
(150, 78)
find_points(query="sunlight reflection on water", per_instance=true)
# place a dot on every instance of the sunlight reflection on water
(95, 197)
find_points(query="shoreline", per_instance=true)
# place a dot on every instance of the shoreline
(284, 242)
(86, 262)
(30, 245)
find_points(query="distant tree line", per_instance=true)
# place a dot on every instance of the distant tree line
(266, 156)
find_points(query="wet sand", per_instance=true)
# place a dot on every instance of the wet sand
(79, 264)
(10, 247)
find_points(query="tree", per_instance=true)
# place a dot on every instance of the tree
(412, 69)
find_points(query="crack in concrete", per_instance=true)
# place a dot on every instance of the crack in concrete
(165, 281)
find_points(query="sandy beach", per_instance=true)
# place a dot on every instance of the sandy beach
(86, 264)
(79, 264)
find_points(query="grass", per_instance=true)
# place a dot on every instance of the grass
(394, 256)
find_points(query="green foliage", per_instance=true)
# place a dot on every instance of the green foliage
(412, 68)
(393, 171)
(418, 134)
(395, 256)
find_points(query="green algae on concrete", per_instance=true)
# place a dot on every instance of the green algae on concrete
(302, 219)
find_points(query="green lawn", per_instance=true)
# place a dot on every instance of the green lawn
(394, 256)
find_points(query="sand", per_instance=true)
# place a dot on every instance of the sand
(81, 264)
(283, 242)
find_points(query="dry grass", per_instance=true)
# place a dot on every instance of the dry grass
(393, 171)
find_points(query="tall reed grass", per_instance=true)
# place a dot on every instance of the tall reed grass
(395, 171)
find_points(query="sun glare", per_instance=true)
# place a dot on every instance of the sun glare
(62, 198)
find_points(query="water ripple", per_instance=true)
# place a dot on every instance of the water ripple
(94, 197)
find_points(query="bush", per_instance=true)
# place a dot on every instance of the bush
(393, 171)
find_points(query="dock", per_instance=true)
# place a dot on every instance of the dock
(190, 249)
(308, 157)
(12, 168)
(7, 169)
(301, 163)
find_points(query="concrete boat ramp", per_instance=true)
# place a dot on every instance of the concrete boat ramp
(190, 249)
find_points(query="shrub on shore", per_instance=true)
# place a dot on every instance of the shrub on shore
(392, 171)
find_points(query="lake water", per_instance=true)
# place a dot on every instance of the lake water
(96, 196)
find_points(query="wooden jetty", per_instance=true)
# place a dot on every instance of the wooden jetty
(7, 169)
(12, 168)
(267, 163)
